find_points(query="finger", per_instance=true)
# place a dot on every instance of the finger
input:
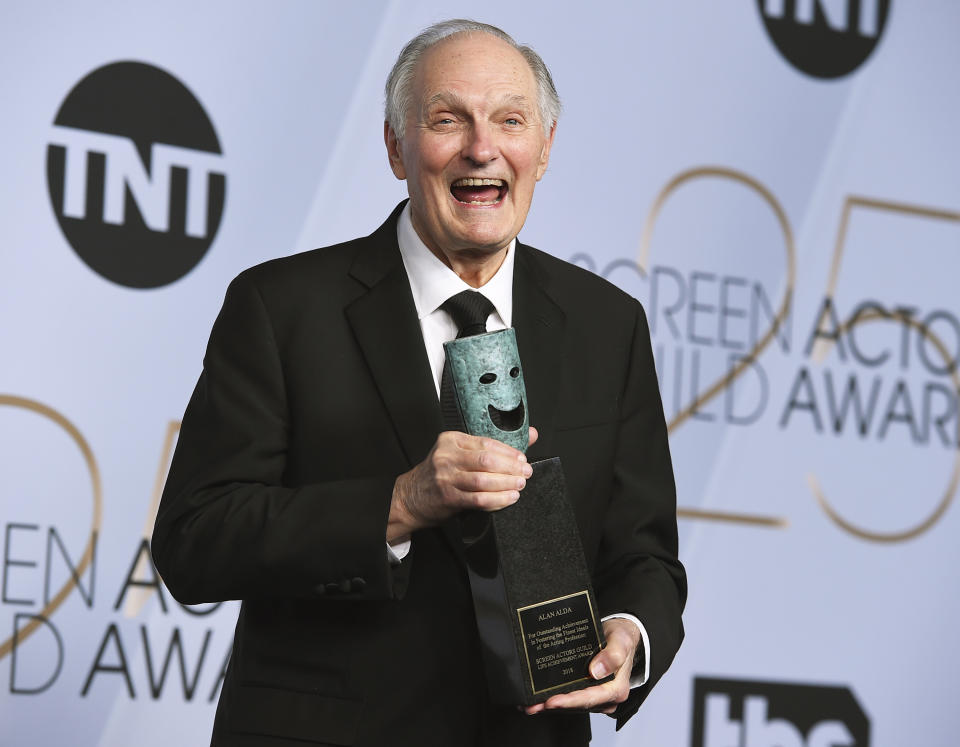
(598, 696)
(604, 697)
(534, 709)
(487, 501)
(534, 435)
(483, 443)
(622, 641)
(495, 463)
(612, 658)
(472, 459)
(481, 480)
(449, 463)
(490, 445)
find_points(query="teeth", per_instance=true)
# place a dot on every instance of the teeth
(471, 182)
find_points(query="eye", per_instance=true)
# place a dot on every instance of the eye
(488, 378)
(513, 121)
(514, 372)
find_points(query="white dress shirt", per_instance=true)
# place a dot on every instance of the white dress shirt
(432, 283)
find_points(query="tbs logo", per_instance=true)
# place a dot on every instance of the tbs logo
(135, 175)
(739, 713)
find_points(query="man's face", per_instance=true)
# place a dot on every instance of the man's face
(474, 146)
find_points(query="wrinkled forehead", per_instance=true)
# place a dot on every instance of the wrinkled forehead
(473, 66)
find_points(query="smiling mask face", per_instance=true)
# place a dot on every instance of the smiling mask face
(491, 394)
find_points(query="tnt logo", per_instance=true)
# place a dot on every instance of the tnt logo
(738, 713)
(135, 175)
(825, 38)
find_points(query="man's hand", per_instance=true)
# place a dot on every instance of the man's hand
(623, 637)
(461, 472)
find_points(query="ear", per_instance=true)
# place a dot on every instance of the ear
(545, 152)
(394, 152)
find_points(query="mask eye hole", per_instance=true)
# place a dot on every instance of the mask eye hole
(488, 378)
(514, 372)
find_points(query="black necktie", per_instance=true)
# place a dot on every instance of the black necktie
(469, 310)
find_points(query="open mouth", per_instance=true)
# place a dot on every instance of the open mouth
(506, 420)
(473, 191)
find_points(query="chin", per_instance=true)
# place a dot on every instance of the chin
(492, 237)
(486, 242)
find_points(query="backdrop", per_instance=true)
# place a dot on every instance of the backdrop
(777, 182)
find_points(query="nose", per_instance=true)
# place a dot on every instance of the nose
(480, 146)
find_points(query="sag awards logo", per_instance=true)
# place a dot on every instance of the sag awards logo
(872, 360)
(767, 714)
(74, 612)
(825, 38)
(718, 308)
(135, 175)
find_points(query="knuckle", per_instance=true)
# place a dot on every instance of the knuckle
(479, 501)
(451, 498)
(446, 487)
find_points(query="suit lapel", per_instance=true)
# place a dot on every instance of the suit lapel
(539, 322)
(384, 321)
(386, 327)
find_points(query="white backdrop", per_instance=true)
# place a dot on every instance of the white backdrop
(738, 197)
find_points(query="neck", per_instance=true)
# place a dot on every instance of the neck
(475, 268)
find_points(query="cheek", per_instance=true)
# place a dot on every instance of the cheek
(433, 155)
(527, 166)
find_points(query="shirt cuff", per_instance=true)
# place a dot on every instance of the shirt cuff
(397, 552)
(637, 679)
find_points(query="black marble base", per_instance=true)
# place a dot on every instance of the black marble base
(536, 613)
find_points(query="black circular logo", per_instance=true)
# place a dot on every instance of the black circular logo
(825, 38)
(135, 175)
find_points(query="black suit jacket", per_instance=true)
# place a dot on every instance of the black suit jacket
(316, 394)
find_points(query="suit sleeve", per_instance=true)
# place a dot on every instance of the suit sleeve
(638, 570)
(228, 527)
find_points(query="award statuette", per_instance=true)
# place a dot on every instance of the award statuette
(534, 604)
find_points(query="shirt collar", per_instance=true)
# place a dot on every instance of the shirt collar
(432, 282)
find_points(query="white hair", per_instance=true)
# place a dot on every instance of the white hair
(398, 92)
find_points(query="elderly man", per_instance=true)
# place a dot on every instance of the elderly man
(312, 479)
